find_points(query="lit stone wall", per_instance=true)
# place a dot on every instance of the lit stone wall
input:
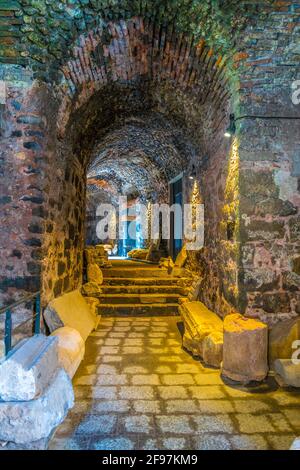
(22, 153)
(269, 167)
(43, 198)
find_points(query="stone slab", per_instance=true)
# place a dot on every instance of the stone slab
(71, 349)
(28, 421)
(199, 321)
(93, 304)
(28, 368)
(288, 371)
(213, 349)
(203, 334)
(94, 273)
(190, 344)
(71, 310)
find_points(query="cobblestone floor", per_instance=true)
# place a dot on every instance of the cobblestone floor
(138, 389)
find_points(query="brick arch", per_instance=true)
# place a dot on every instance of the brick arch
(123, 69)
(134, 51)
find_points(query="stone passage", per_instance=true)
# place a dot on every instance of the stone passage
(138, 389)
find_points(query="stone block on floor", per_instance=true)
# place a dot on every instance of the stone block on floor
(91, 289)
(245, 349)
(94, 273)
(29, 421)
(191, 344)
(194, 289)
(28, 368)
(93, 304)
(71, 349)
(203, 335)
(288, 372)
(213, 349)
(70, 310)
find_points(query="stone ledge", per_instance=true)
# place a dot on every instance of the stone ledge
(70, 310)
(29, 421)
(289, 373)
(71, 349)
(28, 369)
(203, 334)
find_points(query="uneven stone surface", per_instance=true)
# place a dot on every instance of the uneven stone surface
(93, 303)
(203, 334)
(29, 421)
(199, 319)
(28, 369)
(138, 389)
(212, 349)
(138, 253)
(194, 289)
(181, 258)
(245, 349)
(71, 349)
(70, 310)
(94, 274)
(90, 289)
(191, 344)
(289, 373)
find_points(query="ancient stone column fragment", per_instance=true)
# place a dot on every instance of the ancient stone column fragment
(245, 349)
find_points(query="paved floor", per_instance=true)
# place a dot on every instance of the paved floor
(137, 389)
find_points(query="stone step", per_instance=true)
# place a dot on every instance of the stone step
(152, 281)
(134, 273)
(137, 309)
(142, 289)
(142, 298)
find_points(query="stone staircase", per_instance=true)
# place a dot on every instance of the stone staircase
(136, 288)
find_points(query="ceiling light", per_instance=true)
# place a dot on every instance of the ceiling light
(193, 173)
(230, 131)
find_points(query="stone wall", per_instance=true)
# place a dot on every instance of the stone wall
(269, 167)
(95, 196)
(22, 155)
(64, 237)
(43, 198)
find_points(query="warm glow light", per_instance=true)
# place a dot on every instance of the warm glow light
(230, 131)
(230, 218)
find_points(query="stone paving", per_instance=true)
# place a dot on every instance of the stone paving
(138, 389)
